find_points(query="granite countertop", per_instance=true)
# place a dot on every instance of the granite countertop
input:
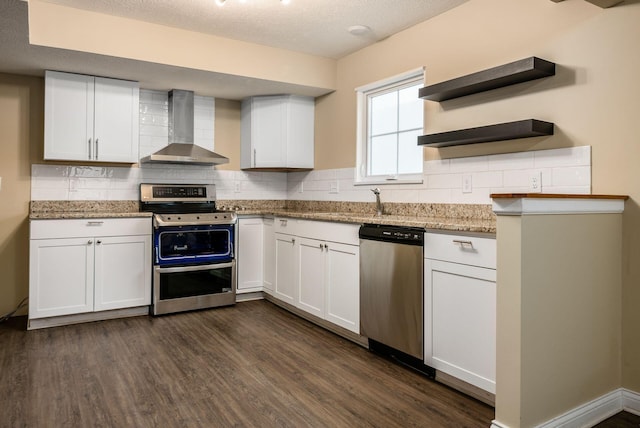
(52, 210)
(450, 217)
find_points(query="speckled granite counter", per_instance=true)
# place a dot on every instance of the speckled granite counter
(48, 210)
(451, 217)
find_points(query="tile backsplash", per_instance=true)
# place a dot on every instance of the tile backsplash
(560, 170)
(154, 121)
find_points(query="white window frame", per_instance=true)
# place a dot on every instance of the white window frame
(362, 94)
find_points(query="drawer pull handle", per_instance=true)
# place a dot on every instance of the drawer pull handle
(463, 243)
(95, 223)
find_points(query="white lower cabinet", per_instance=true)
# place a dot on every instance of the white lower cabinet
(122, 272)
(250, 255)
(317, 274)
(285, 268)
(343, 286)
(269, 242)
(61, 277)
(460, 307)
(311, 276)
(81, 266)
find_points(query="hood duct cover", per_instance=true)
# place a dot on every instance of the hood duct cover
(181, 148)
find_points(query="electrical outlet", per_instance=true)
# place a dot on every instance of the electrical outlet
(535, 182)
(236, 187)
(467, 186)
(301, 187)
(333, 187)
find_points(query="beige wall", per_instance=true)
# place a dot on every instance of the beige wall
(559, 292)
(227, 132)
(593, 100)
(21, 136)
(84, 31)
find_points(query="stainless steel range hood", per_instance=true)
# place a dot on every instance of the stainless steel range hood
(181, 148)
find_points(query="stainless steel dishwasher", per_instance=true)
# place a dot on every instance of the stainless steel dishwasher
(391, 291)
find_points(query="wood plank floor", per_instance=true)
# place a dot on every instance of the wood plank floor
(250, 365)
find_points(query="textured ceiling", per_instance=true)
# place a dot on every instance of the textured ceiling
(317, 27)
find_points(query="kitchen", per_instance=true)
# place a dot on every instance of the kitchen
(591, 100)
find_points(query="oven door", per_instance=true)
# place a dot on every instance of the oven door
(184, 288)
(189, 244)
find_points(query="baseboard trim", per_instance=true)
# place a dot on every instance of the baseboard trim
(590, 413)
(38, 323)
(593, 412)
(631, 401)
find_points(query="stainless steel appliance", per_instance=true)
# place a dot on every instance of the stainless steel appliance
(194, 263)
(181, 149)
(391, 291)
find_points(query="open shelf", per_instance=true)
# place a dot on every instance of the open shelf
(504, 75)
(502, 131)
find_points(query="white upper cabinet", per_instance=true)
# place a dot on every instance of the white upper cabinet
(90, 118)
(277, 132)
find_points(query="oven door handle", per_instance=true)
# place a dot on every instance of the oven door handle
(193, 268)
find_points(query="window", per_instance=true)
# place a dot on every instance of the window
(390, 119)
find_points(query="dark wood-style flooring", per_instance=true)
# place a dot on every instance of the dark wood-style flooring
(250, 365)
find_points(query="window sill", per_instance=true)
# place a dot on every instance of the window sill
(383, 182)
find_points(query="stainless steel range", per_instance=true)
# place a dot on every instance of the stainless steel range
(194, 263)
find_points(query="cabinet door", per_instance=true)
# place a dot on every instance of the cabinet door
(285, 286)
(68, 116)
(343, 285)
(460, 321)
(311, 276)
(60, 277)
(250, 255)
(122, 272)
(300, 132)
(268, 134)
(116, 120)
(269, 255)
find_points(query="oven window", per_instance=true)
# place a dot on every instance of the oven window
(185, 243)
(175, 285)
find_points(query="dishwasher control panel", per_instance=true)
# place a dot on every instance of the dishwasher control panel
(398, 234)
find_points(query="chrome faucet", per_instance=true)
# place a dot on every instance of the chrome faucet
(379, 209)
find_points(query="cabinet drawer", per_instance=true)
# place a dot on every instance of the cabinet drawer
(287, 226)
(331, 232)
(468, 250)
(77, 228)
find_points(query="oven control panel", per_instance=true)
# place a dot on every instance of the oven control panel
(177, 192)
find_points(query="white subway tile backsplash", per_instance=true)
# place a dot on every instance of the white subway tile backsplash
(516, 178)
(566, 170)
(438, 166)
(571, 176)
(509, 161)
(487, 179)
(445, 181)
(471, 164)
(578, 156)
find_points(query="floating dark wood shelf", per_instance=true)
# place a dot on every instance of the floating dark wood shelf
(502, 131)
(504, 75)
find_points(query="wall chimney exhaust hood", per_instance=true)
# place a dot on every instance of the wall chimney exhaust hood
(181, 148)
